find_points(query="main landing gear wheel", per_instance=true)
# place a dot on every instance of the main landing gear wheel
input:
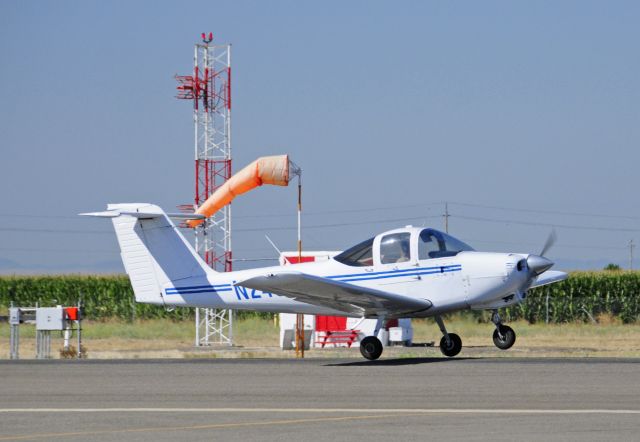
(452, 347)
(371, 348)
(504, 337)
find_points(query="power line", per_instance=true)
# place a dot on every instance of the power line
(39, 215)
(456, 203)
(322, 226)
(64, 231)
(274, 228)
(373, 209)
(56, 250)
(531, 223)
(559, 245)
(550, 212)
(331, 212)
(471, 240)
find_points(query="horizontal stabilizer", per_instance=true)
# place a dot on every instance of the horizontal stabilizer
(348, 298)
(142, 215)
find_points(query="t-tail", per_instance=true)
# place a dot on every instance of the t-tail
(154, 252)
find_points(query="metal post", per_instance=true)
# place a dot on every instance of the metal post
(14, 324)
(66, 336)
(197, 343)
(43, 344)
(547, 309)
(300, 316)
(15, 342)
(38, 338)
(631, 246)
(79, 331)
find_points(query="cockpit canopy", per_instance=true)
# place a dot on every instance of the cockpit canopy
(436, 244)
(360, 255)
(401, 246)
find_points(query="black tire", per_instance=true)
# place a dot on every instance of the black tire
(505, 339)
(371, 348)
(454, 346)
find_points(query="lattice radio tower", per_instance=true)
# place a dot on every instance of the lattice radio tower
(209, 88)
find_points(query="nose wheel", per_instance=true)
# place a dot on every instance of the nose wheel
(503, 336)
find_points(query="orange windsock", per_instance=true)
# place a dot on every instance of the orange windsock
(266, 170)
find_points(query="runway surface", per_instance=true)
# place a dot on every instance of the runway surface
(287, 400)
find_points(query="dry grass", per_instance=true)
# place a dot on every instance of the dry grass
(259, 338)
(148, 338)
(607, 338)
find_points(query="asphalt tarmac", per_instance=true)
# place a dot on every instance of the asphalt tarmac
(315, 399)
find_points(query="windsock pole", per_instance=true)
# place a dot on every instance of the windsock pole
(299, 317)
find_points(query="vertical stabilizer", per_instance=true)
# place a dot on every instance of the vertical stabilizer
(154, 252)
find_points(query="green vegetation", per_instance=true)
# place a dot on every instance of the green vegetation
(102, 296)
(585, 296)
(612, 267)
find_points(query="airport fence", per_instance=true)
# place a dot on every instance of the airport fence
(583, 297)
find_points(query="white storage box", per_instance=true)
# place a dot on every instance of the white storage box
(400, 335)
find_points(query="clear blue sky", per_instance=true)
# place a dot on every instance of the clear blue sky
(390, 108)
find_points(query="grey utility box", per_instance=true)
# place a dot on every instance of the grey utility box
(14, 316)
(50, 318)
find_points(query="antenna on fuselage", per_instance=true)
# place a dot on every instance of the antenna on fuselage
(274, 245)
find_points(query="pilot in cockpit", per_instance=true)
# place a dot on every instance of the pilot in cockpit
(404, 251)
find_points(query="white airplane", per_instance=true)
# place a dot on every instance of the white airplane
(412, 272)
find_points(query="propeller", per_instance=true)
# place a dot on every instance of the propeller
(551, 240)
(538, 264)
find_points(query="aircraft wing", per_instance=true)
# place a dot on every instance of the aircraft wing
(549, 277)
(348, 298)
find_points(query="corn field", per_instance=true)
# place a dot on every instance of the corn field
(103, 297)
(582, 297)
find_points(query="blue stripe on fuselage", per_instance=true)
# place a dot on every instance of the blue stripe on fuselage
(198, 289)
(343, 278)
(397, 273)
(426, 272)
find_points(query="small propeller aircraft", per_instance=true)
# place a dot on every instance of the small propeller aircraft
(412, 272)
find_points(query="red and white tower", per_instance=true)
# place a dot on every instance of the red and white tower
(209, 88)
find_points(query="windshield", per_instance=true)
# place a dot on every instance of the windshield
(360, 255)
(395, 248)
(436, 244)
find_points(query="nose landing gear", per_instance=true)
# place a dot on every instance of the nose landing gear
(503, 336)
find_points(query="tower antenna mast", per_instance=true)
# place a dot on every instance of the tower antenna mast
(209, 88)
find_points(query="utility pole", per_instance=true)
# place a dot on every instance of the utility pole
(631, 246)
(446, 217)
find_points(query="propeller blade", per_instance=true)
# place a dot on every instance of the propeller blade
(551, 240)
